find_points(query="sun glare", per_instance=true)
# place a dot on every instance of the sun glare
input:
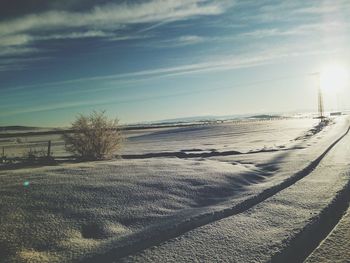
(334, 78)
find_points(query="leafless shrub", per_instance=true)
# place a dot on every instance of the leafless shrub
(93, 136)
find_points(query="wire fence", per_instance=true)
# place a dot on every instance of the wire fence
(33, 147)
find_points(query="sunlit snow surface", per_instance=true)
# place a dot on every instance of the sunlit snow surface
(335, 248)
(240, 136)
(69, 212)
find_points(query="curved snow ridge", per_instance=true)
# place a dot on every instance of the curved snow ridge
(189, 224)
(308, 239)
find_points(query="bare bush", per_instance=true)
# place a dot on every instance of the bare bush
(93, 136)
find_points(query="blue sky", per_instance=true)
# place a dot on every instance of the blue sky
(153, 60)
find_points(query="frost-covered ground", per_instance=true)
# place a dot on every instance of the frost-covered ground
(336, 247)
(105, 210)
(242, 136)
(282, 228)
(247, 135)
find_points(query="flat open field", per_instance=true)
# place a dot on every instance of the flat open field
(178, 188)
(247, 135)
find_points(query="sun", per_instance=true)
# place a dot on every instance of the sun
(334, 78)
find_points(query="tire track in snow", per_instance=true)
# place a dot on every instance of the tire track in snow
(191, 223)
(308, 239)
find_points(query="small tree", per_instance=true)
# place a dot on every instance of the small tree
(93, 136)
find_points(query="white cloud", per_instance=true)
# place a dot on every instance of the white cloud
(15, 40)
(17, 36)
(113, 16)
(218, 63)
(74, 35)
(16, 51)
(181, 41)
(189, 40)
(305, 29)
(325, 7)
(294, 11)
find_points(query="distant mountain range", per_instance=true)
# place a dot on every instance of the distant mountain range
(17, 128)
(213, 118)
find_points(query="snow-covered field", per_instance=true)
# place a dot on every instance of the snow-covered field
(241, 191)
(247, 135)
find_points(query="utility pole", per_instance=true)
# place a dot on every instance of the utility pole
(320, 99)
(319, 96)
(49, 148)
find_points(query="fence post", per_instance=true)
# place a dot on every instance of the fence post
(49, 148)
(3, 154)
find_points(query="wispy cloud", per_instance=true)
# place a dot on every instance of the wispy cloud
(16, 51)
(113, 16)
(325, 7)
(286, 10)
(219, 65)
(15, 40)
(189, 40)
(107, 21)
(299, 30)
(181, 41)
(267, 55)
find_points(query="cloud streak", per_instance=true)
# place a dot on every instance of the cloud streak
(109, 21)
(265, 56)
(114, 16)
(306, 30)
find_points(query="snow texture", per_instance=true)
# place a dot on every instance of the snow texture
(267, 231)
(335, 248)
(107, 209)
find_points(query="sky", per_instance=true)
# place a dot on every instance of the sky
(164, 59)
